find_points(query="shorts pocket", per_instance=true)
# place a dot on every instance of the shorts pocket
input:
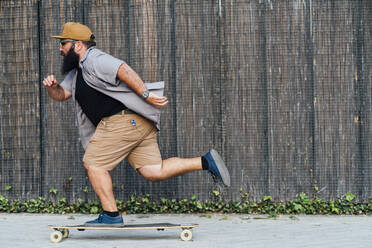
(138, 126)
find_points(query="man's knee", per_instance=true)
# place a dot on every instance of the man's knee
(93, 168)
(152, 173)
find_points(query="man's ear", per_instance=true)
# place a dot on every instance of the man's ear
(79, 46)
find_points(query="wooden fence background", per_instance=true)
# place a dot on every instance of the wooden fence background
(283, 89)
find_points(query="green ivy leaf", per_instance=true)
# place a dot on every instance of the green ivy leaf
(267, 198)
(349, 197)
(94, 210)
(297, 207)
(216, 193)
(53, 191)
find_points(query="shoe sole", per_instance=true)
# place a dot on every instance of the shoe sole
(221, 167)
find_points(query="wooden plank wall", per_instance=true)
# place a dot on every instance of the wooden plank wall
(20, 171)
(281, 88)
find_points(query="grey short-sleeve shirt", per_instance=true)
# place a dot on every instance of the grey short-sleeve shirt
(100, 72)
(67, 82)
(106, 68)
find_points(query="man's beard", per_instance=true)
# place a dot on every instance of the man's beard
(70, 61)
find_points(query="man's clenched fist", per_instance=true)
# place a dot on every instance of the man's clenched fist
(50, 81)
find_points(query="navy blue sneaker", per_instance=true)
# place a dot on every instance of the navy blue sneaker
(217, 167)
(105, 220)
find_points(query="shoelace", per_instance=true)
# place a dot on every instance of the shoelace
(100, 218)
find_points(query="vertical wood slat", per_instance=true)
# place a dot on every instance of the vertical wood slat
(366, 116)
(289, 105)
(19, 94)
(62, 152)
(362, 51)
(242, 93)
(336, 103)
(198, 91)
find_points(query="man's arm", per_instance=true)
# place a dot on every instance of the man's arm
(131, 78)
(55, 90)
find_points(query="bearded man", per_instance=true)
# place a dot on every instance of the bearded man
(118, 117)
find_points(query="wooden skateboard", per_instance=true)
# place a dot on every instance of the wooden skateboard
(61, 232)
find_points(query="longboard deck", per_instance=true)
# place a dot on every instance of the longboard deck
(127, 227)
(61, 231)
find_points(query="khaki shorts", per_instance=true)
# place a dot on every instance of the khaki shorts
(120, 136)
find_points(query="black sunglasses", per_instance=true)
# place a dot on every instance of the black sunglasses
(63, 42)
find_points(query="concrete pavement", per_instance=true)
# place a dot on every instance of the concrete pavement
(216, 230)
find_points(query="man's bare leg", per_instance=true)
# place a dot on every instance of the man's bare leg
(211, 162)
(170, 167)
(102, 184)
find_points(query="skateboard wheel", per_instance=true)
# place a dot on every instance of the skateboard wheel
(56, 237)
(65, 233)
(186, 235)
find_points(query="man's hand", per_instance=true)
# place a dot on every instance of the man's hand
(55, 90)
(159, 102)
(50, 81)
